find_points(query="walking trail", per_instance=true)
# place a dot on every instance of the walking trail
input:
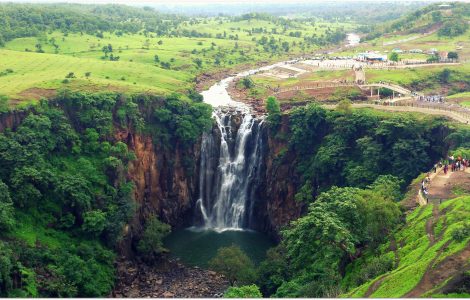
(447, 186)
(443, 187)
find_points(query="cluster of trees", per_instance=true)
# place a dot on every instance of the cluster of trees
(356, 147)
(354, 166)
(453, 28)
(23, 20)
(73, 182)
(455, 80)
(315, 249)
(64, 194)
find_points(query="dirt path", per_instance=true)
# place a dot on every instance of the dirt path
(443, 186)
(430, 225)
(436, 275)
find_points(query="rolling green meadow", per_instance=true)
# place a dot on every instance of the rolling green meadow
(146, 62)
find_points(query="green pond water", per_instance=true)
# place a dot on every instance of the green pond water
(195, 247)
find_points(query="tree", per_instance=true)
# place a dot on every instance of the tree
(444, 76)
(274, 111)
(198, 62)
(7, 219)
(345, 106)
(436, 16)
(3, 103)
(6, 268)
(247, 82)
(234, 264)
(94, 222)
(273, 271)
(151, 242)
(246, 291)
(393, 56)
(452, 55)
(388, 186)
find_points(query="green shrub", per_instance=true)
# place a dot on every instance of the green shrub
(246, 291)
(234, 264)
(151, 242)
(461, 233)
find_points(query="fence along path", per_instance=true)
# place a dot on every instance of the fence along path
(456, 113)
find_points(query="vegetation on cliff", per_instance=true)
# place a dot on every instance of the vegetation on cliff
(65, 194)
(355, 165)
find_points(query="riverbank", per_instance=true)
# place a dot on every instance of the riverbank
(167, 278)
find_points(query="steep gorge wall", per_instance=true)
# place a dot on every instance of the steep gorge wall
(12, 119)
(164, 186)
(276, 205)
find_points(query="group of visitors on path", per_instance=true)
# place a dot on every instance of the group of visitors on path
(456, 164)
(453, 163)
(432, 99)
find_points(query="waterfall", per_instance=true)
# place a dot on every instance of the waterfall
(230, 163)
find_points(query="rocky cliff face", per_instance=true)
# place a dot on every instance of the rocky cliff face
(11, 119)
(164, 185)
(277, 206)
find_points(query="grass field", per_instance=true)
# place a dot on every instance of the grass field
(179, 60)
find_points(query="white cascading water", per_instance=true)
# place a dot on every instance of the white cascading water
(227, 177)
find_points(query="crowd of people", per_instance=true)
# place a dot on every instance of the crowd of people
(431, 98)
(456, 164)
(452, 163)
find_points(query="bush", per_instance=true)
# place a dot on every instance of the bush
(94, 222)
(151, 243)
(247, 82)
(452, 55)
(273, 109)
(234, 264)
(7, 219)
(374, 268)
(461, 233)
(3, 103)
(246, 291)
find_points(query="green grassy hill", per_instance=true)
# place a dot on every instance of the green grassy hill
(129, 49)
(430, 255)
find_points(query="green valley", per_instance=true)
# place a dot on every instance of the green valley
(238, 150)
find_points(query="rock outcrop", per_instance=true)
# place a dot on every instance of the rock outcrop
(164, 185)
(276, 205)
